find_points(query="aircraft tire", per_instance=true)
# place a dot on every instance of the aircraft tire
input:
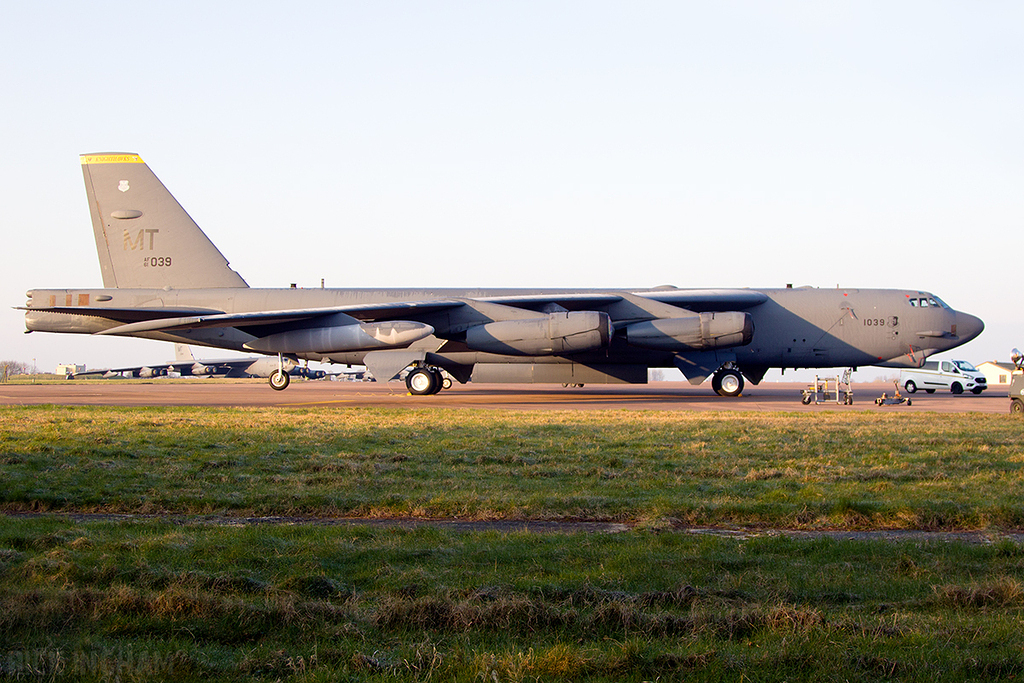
(438, 380)
(446, 382)
(910, 386)
(727, 383)
(279, 380)
(956, 388)
(421, 382)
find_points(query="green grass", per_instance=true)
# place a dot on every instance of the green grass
(148, 599)
(826, 470)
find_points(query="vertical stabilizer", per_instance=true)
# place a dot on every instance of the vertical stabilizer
(143, 237)
(183, 352)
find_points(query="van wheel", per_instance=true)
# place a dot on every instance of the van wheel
(1016, 406)
(977, 391)
(956, 388)
(910, 386)
(929, 391)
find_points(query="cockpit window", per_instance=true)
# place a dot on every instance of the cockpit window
(927, 301)
(965, 366)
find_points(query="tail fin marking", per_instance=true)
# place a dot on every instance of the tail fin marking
(144, 238)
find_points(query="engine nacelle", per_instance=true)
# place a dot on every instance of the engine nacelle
(351, 337)
(697, 332)
(200, 369)
(554, 334)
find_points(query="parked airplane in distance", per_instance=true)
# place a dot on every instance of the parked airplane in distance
(164, 279)
(185, 364)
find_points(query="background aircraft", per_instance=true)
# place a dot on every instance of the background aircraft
(164, 279)
(185, 364)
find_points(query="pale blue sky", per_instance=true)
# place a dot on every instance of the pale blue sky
(590, 144)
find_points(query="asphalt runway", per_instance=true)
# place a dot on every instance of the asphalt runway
(768, 397)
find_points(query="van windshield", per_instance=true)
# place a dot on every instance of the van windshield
(965, 366)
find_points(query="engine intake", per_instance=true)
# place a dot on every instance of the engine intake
(554, 334)
(701, 331)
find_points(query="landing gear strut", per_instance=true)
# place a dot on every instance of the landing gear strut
(727, 382)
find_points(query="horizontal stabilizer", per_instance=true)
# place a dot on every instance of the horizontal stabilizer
(124, 315)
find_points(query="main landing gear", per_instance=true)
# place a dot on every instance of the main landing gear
(727, 382)
(426, 380)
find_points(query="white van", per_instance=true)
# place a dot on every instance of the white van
(953, 375)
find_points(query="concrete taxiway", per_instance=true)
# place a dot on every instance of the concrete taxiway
(769, 396)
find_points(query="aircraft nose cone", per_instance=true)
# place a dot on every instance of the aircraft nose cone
(968, 326)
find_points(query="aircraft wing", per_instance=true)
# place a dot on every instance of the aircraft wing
(498, 307)
(152, 370)
(705, 300)
(262, 318)
(223, 366)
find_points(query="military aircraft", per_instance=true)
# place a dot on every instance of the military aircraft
(185, 363)
(164, 279)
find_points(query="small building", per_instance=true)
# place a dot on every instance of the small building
(995, 372)
(69, 369)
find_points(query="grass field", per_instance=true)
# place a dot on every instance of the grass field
(832, 470)
(148, 600)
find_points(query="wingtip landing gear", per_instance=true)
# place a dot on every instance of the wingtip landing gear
(279, 380)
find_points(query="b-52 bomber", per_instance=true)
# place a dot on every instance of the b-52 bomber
(164, 279)
(185, 364)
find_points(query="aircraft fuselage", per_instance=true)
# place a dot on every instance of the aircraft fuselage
(793, 327)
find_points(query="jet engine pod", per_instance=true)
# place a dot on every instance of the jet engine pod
(699, 331)
(555, 333)
(351, 337)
